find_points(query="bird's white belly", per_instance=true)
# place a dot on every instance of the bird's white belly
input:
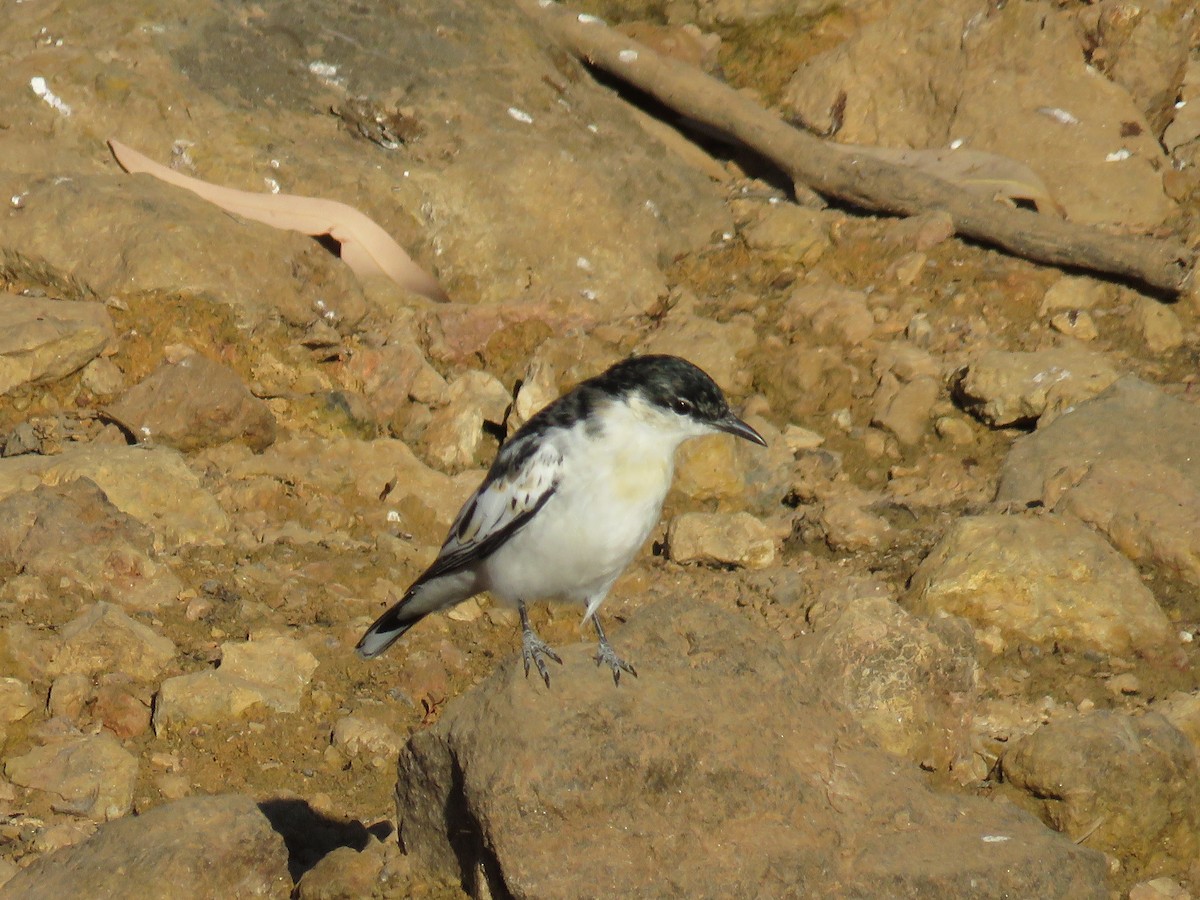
(577, 545)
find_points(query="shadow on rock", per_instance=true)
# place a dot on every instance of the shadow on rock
(311, 835)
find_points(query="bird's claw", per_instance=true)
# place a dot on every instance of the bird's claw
(533, 648)
(606, 655)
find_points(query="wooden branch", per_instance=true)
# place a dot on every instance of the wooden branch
(859, 179)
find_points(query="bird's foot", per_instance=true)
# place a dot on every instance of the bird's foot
(606, 655)
(533, 648)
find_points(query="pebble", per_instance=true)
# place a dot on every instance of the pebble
(736, 539)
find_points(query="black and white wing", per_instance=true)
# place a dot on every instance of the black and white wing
(525, 475)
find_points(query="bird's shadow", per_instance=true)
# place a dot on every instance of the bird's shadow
(309, 835)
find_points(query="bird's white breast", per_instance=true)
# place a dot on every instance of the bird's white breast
(608, 501)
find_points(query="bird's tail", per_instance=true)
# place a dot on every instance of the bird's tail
(388, 629)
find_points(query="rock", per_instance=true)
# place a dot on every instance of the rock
(91, 776)
(152, 484)
(220, 846)
(798, 439)
(194, 403)
(395, 375)
(279, 666)
(1127, 783)
(802, 235)
(16, 700)
(69, 694)
(1074, 292)
(907, 412)
(709, 468)
(731, 539)
(105, 639)
(1012, 388)
(72, 537)
(102, 378)
(848, 523)
(271, 671)
(360, 736)
(202, 698)
(1126, 464)
(119, 709)
(908, 683)
(1158, 889)
(1183, 711)
(511, 777)
(831, 312)
(1159, 325)
(344, 873)
(45, 340)
(455, 438)
(1041, 579)
(1077, 324)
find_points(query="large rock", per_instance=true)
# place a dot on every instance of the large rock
(195, 403)
(660, 783)
(1126, 463)
(43, 340)
(1128, 785)
(93, 775)
(220, 846)
(152, 484)
(72, 537)
(1041, 579)
(104, 639)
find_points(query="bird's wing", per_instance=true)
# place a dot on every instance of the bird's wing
(524, 476)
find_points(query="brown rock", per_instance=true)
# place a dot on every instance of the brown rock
(1040, 579)
(220, 846)
(105, 639)
(1130, 784)
(71, 536)
(119, 709)
(92, 775)
(192, 404)
(512, 777)
(731, 539)
(1125, 463)
(44, 340)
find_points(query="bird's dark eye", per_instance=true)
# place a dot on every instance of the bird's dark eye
(682, 406)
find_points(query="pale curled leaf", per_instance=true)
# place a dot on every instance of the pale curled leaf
(999, 177)
(366, 247)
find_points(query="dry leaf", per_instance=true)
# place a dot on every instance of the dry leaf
(366, 247)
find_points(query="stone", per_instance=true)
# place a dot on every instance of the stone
(847, 523)
(16, 700)
(360, 736)
(344, 873)
(1159, 889)
(799, 439)
(1077, 324)
(1159, 325)
(1126, 464)
(105, 639)
(454, 439)
(152, 484)
(907, 413)
(715, 347)
(279, 666)
(1041, 579)
(202, 698)
(1003, 387)
(730, 539)
(219, 846)
(789, 229)
(93, 775)
(908, 683)
(71, 536)
(502, 787)
(119, 709)
(102, 378)
(830, 312)
(1128, 783)
(45, 340)
(709, 468)
(1074, 292)
(194, 403)
(69, 694)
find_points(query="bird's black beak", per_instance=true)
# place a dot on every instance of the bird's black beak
(731, 424)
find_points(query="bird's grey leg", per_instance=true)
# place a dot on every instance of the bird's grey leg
(605, 654)
(533, 648)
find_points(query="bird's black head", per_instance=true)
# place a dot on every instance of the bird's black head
(676, 385)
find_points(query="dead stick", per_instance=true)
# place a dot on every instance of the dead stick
(858, 179)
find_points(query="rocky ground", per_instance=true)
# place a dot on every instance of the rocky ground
(938, 639)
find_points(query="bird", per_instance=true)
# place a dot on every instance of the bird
(568, 501)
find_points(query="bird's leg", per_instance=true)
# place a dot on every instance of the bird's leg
(606, 654)
(533, 648)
